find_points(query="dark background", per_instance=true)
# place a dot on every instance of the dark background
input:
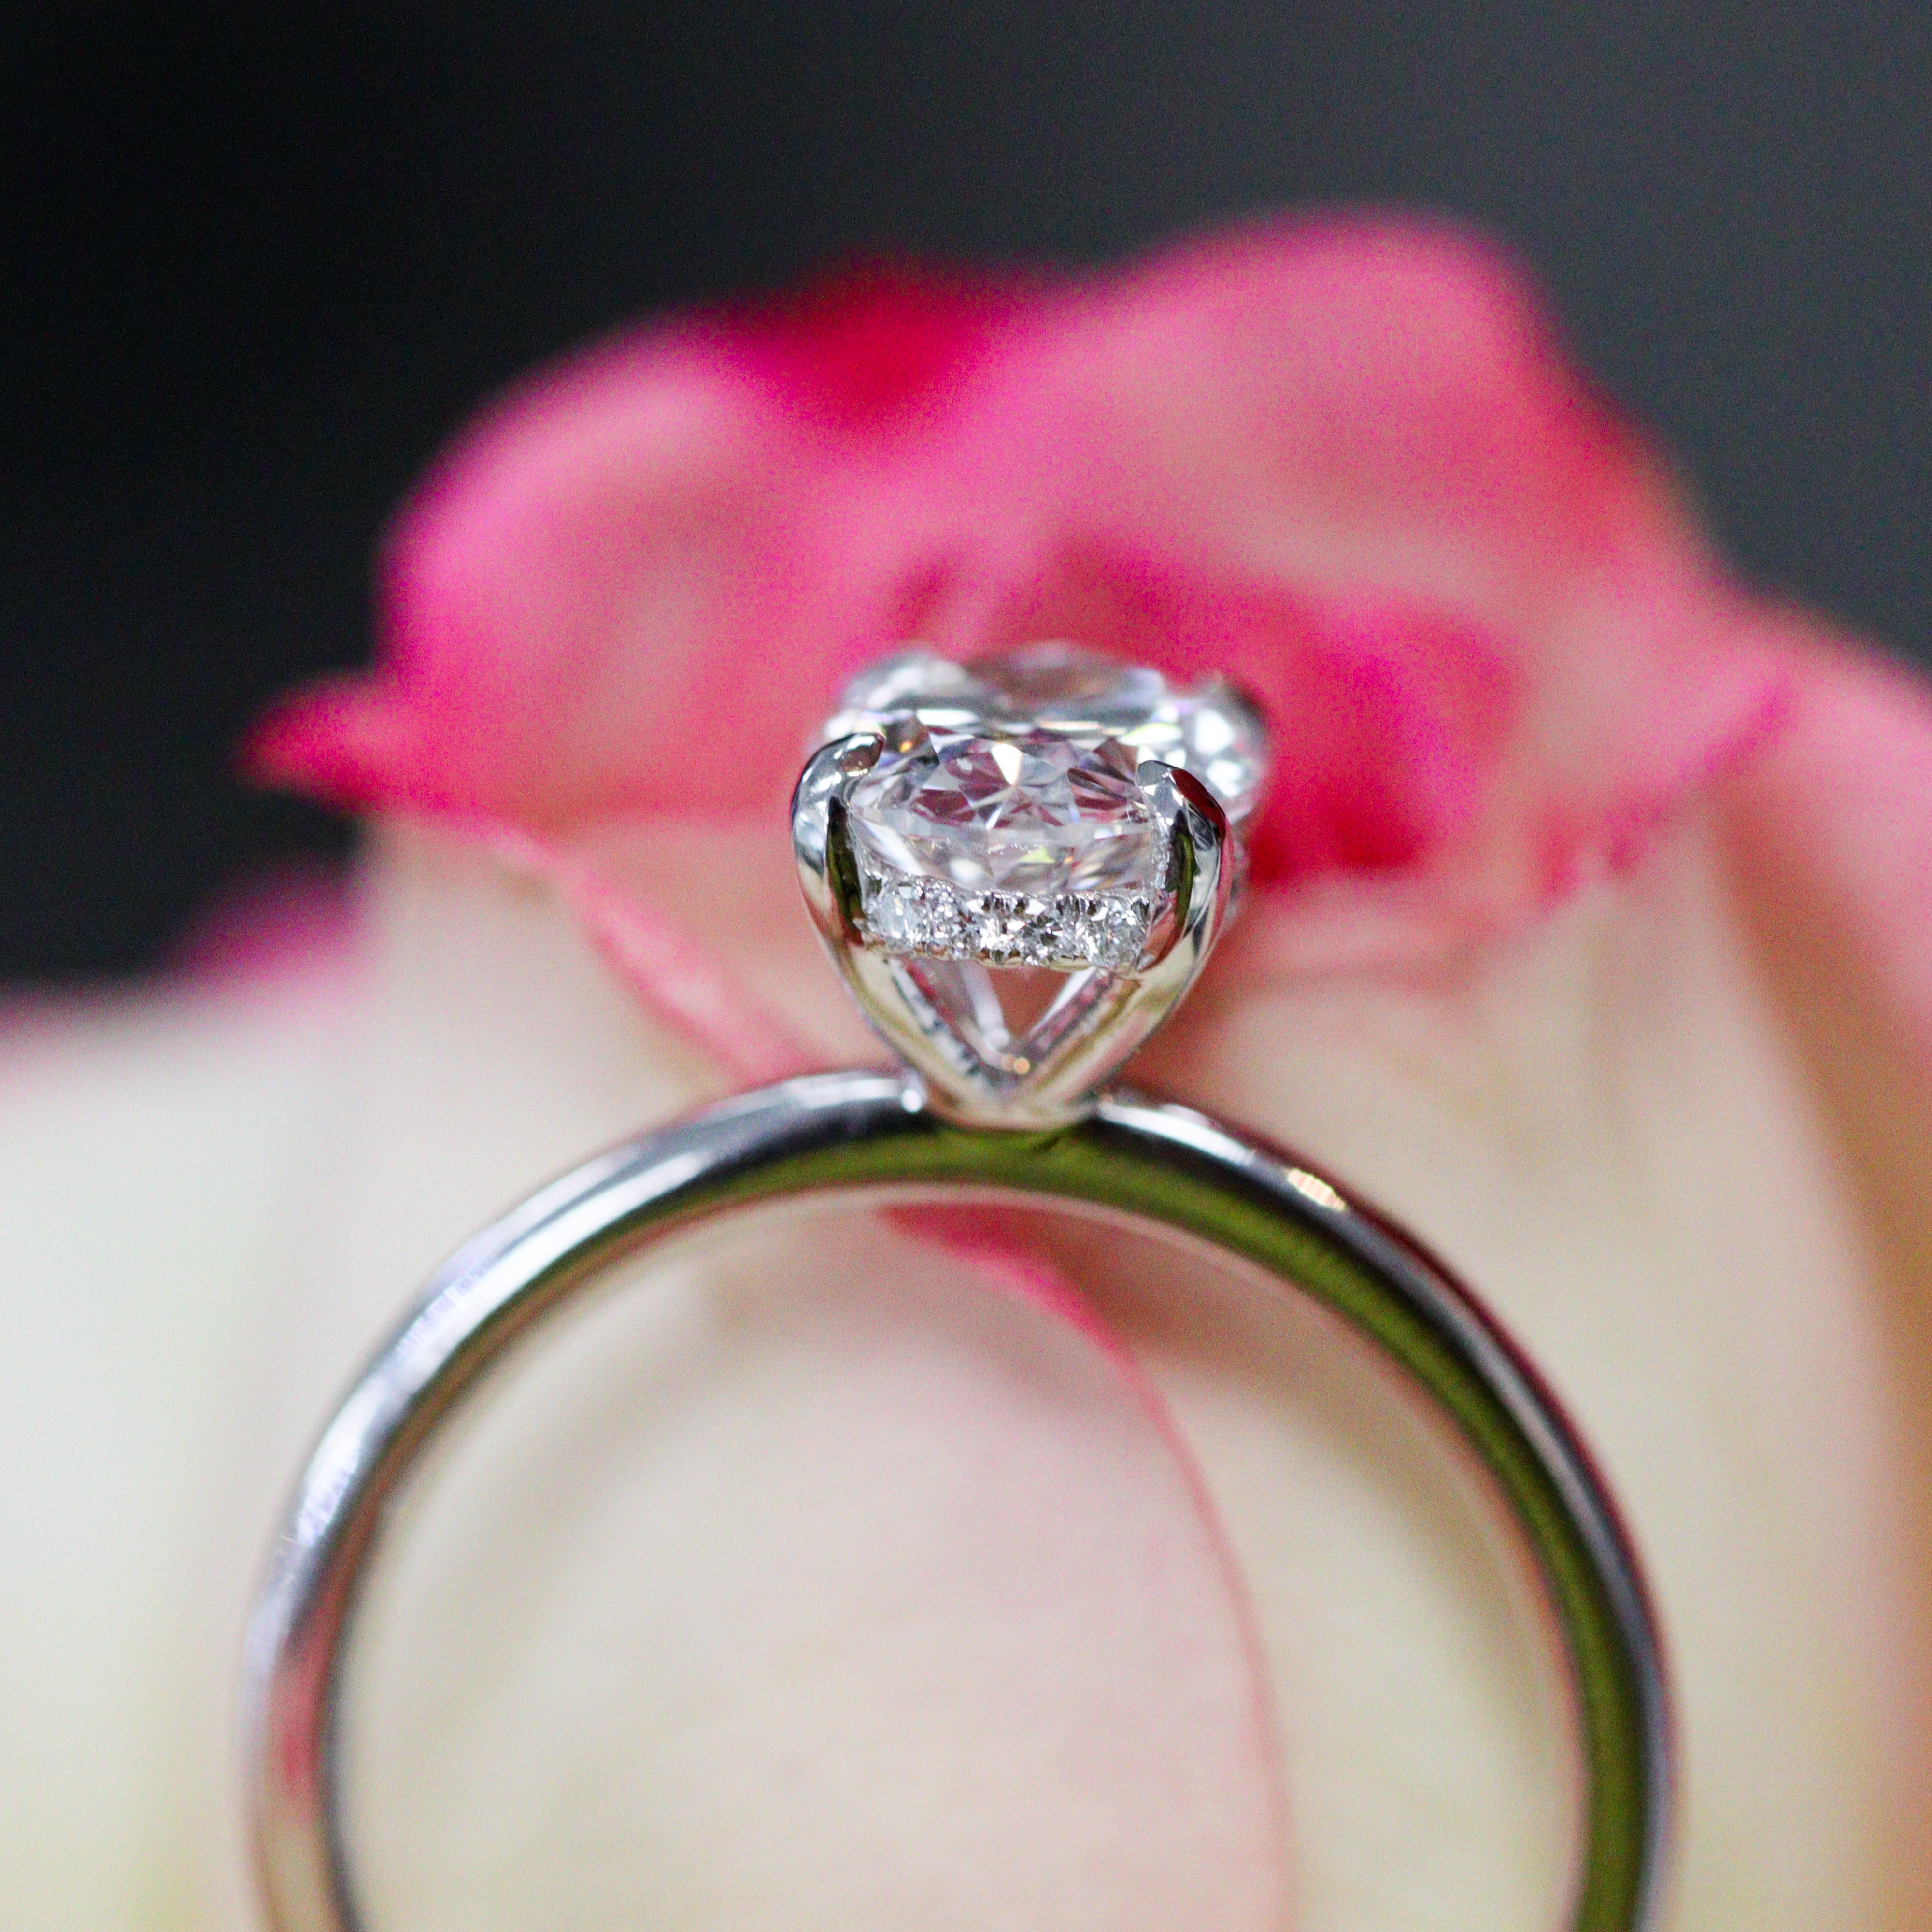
(259, 261)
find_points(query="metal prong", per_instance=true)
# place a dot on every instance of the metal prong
(1201, 861)
(825, 872)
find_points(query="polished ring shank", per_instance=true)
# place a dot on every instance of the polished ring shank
(866, 1134)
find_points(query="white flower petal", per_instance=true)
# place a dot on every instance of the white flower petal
(152, 1153)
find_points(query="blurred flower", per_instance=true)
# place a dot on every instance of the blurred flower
(1589, 937)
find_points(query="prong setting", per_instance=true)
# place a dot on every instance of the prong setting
(939, 844)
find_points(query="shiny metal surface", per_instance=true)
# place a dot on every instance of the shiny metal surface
(871, 1134)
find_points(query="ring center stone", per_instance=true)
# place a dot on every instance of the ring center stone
(1004, 822)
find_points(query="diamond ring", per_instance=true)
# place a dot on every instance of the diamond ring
(1019, 866)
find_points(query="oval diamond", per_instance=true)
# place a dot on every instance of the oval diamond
(1003, 821)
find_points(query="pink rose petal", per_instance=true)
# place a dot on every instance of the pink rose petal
(1342, 461)
(1832, 829)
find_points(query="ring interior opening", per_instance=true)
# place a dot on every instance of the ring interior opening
(831, 1566)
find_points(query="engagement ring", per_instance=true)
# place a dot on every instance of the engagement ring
(1019, 866)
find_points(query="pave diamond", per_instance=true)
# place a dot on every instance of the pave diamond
(1003, 821)
(1072, 930)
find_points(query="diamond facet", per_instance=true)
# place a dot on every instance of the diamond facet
(1004, 820)
(1025, 811)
